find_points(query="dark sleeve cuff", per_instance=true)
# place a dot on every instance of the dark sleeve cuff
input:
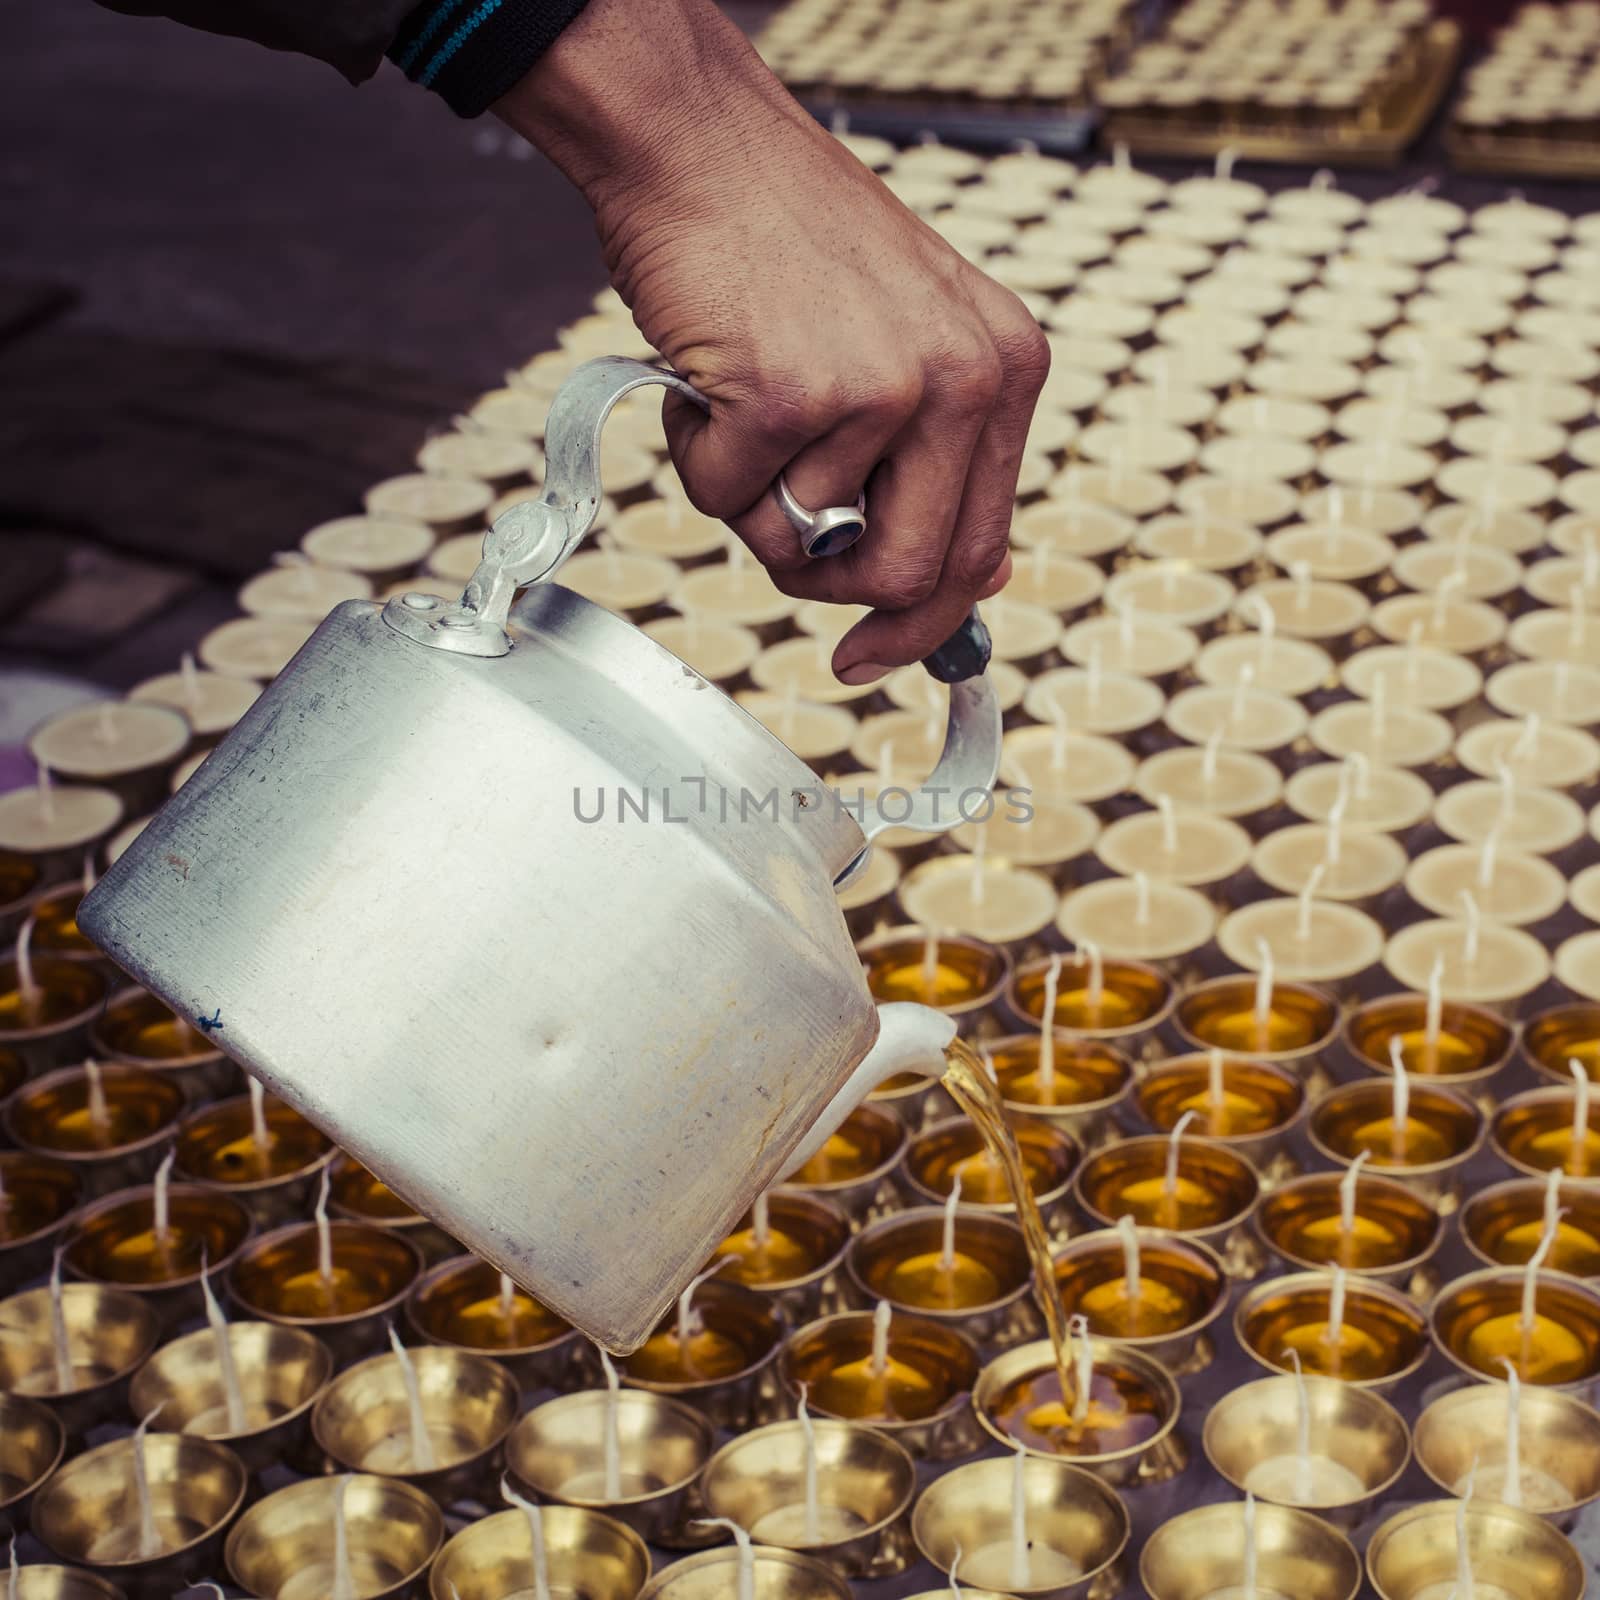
(471, 52)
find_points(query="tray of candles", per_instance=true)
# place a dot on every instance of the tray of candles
(1275, 963)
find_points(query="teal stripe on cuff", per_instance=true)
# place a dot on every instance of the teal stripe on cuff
(456, 40)
(407, 61)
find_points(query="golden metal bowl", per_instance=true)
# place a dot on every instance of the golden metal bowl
(1394, 1329)
(282, 1547)
(1474, 1317)
(1170, 1088)
(275, 1279)
(1520, 1129)
(971, 977)
(281, 1373)
(1070, 1513)
(821, 1230)
(585, 1553)
(362, 1420)
(362, 1196)
(852, 1169)
(56, 934)
(112, 1241)
(1049, 1158)
(1558, 1437)
(32, 1443)
(1560, 1034)
(45, 1581)
(1137, 999)
(1231, 1183)
(141, 1030)
(941, 1370)
(1415, 1551)
(779, 1575)
(196, 1489)
(1220, 1014)
(758, 1481)
(1354, 1427)
(109, 1334)
(1201, 1553)
(1100, 1076)
(457, 1305)
(557, 1452)
(1396, 1230)
(216, 1151)
(1502, 1226)
(1475, 1041)
(41, 1195)
(72, 996)
(49, 1118)
(999, 1266)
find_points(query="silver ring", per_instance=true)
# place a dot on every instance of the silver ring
(825, 532)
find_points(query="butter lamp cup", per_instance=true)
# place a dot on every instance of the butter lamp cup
(43, 1194)
(1554, 1037)
(1354, 1427)
(1219, 1014)
(358, 1195)
(1103, 1074)
(1202, 1553)
(883, 1138)
(557, 1452)
(893, 964)
(1525, 1119)
(139, 1029)
(282, 1547)
(1416, 1551)
(946, 1359)
(97, 1245)
(196, 1489)
(43, 1580)
(1269, 1312)
(586, 1553)
(1049, 1155)
(109, 1336)
(1168, 1088)
(1501, 1226)
(209, 1145)
(1069, 1511)
(20, 879)
(1191, 1269)
(469, 1404)
(265, 1278)
(1339, 1113)
(32, 1443)
(995, 1243)
(41, 1118)
(436, 1311)
(778, 1575)
(1411, 1230)
(1154, 1460)
(859, 1470)
(54, 910)
(1559, 1436)
(74, 994)
(1138, 999)
(1494, 1296)
(1487, 1037)
(281, 1373)
(823, 1230)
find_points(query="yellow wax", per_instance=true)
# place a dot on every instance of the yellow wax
(1114, 1314)
(1417, 1146)
(1191, 1205)
(779, 1259)
(1547, 1353)
(1354, 1355)
(901, 1393)
(924, 1280)
(706, 1355)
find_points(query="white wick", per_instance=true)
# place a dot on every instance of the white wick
(1169, 825)
(324, 1233)
(423, 1458)
(1401, 1114)
(808, 1434)
(1511, 1490)
(1209, 757)
(955, 1561)
(1580, 1117)
(1530, 1275)
(94, 1079)
(1302, 1407)
(27, 984)
(1362, 767)
(1474, 933)
(227, 1367)
(1251, 1555)
(151, 1544)
(1433, 1016)
(1141, 899)
(1225, 160)
(161, 1198)
(947, 1247)
(535, 1521)
(1347, 1194)
(260, 1135)
(930, 963)
(508, 1299)
(1487, 857)
(60, 1345)
(1263, 1007)
(882, 1315)
(1308, 899)
(1336, 1296)
(612, 1445)
(1047, 1026)
(761, 1221)
(1217, 1089)
(1132, 1270)
(90, 877)
(45, 793)
(1089, 951)
(1169, 1184)
(745, 1583)
(191, 681)
(688, 1321)
(1083, 1369)
(1021, 1567)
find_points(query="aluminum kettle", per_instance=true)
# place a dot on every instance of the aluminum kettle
(581, 1047)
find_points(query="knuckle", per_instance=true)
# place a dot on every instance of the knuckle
(889, 399)
(1026, 353)
(977, 375)
(901, 586)
(976, 558)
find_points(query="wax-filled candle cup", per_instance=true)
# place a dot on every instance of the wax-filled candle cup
(48, 1024)
(1291, 1026)
(465, 1304)
(139, 1030)
(281, 1372)
(195, 1489)
(1337, 1456)
(1536, 1133)
(983, 1288)
(725, 1368)
(795, 1262)
(40, 1196)
(32, 1443)
(366, 1420)
(358, 1195)
(1117, 1002)
(1129, 1434)
(103, 1337)
(853, 1167)
(278, 1278)
(127, 746)
(1468, 1431)
(864, 1484)
(557, 1452)
(1202, 1555)
(1250, 1107)
(1503, 1224)
(1479, 1322)
(1441, 1134)
(1380, 1340)
(109, 1146)
(273, 1169)
(1074, 1084)
(775, 1575)
(585, 1552)
(947, 1150)
(118, 1241)
(20, 878)
(43, 1580)
(1416, 1554)
(1393, 1232)
(1074, 1527)
(56, 935)
(1468, 1044)
(1553, 1039)
(922, 1397)
(1182, 1288)
(285, 1547)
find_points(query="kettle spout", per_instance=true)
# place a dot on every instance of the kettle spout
(911, 1038)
